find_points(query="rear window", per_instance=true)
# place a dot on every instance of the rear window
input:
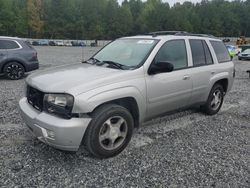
(221, 51)
(8, 44)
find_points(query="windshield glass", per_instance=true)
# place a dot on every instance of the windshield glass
(127, 52)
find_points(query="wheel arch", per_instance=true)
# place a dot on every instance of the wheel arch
(129, 103)
(13, 60)
(224, 83)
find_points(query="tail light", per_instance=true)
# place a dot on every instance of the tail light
(34, 56)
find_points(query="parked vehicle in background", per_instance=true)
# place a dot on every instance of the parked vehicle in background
(232, 50)
(74, 43)
(245, 55)
(43, 42)
(131, 80)
(52, 43)
(226, 40)
(16, 57)
(35, 43)
(67, 43)
(93, 44)
(81, 43)
(59, 43)
(78, 43)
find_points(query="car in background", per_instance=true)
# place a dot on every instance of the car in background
(245, 55)
(43, 42)
(59, 43)
(52, 43)
(17, 56)
(226, 40)
(78, 43)
(35, 43)
(232, 50)
(67, 43)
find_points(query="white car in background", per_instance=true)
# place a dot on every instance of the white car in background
(59, 43)
(67, 43)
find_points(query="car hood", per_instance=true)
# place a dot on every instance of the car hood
(74, 79)
(244, 53)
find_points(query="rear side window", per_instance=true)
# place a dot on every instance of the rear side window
(200, 52)
(220, 51)
(174, 52)
(8, 44)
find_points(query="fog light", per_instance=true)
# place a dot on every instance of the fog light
(51, 134)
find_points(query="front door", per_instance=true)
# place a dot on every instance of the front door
(169, 91)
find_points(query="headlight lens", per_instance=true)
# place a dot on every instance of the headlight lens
(59, 104)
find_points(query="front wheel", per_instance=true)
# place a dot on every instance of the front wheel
(215, 100)
(13, 70)
(110, 131)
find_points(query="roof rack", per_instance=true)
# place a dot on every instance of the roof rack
(178, 33)
(156, 33)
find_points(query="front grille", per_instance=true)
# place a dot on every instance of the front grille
(35, 98)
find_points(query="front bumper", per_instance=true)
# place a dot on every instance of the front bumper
(244, 57)
(57, 132)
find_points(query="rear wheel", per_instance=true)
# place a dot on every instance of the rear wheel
(109, 131)
(13, 70)
(215, 100)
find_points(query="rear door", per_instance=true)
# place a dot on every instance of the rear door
(202, 71)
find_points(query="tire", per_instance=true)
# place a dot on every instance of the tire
(239, 58)
(105, 136)
(13, 70)
(214, 101)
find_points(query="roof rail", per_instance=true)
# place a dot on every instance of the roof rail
(156, 33)
(178, 33)
(197, 35)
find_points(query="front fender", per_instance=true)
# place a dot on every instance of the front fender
(87, 102)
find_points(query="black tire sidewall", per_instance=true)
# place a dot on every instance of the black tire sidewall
(92, 133)
(208, 109)
(13, 63)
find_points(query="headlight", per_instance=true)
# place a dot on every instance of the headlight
(59, 104)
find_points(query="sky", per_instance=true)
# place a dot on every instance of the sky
(172, 2)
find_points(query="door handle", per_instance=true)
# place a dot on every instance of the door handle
(186, 77)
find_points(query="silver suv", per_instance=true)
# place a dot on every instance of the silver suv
(17, 56)
(128, 82)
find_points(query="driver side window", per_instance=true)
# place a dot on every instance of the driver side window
(174, 52)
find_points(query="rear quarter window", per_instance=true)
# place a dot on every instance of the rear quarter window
(220, 51)
(9, 44)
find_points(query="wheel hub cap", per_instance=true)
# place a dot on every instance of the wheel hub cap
(216, 100)
(113, 133)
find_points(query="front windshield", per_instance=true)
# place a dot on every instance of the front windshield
(127, 52)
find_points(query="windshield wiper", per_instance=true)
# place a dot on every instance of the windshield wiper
(112, 63)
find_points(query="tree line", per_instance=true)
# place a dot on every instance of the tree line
(106, 19)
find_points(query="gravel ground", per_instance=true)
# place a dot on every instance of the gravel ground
(187, 149)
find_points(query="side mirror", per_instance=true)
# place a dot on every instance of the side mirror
(160, 67)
